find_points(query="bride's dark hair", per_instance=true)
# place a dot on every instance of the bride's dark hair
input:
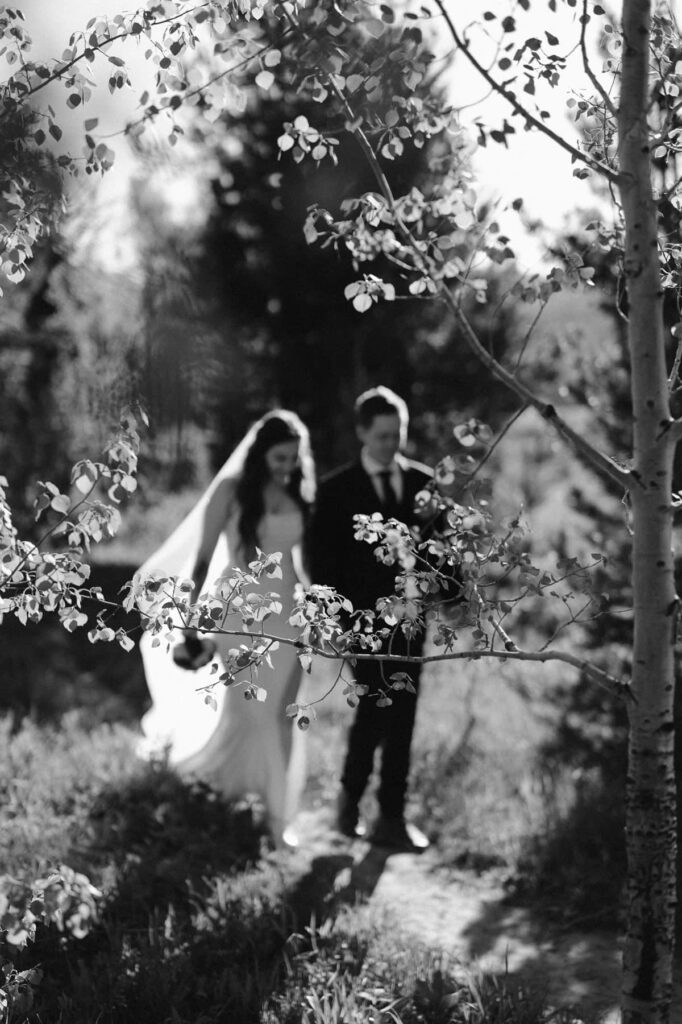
(274, 428)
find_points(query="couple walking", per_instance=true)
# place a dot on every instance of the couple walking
(264, 496)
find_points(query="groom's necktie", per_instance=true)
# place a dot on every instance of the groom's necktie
(390, 503)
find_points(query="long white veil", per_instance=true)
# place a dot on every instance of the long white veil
(179, 721)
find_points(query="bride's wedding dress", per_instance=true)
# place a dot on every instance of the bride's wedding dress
(246, 746)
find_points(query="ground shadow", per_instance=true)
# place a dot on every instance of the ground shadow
(336, 879)
(558, 922)
(571, 968)
(189, 918)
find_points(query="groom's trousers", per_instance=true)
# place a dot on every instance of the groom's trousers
(386, 728)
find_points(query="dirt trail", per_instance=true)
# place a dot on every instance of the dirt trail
(470, 917)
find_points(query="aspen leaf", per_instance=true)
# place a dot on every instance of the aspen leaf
(264, 79)
(61, 503)
(305, 661)
(374, 27)
(362, 302)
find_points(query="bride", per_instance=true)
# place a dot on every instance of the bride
(260, 498)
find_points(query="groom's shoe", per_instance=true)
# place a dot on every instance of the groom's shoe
(398, 835)
(348, 817)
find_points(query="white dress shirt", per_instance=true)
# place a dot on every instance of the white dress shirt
(373, 468)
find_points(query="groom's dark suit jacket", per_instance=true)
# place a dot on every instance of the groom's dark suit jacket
(339, 560)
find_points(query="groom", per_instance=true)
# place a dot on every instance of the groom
(380, 480)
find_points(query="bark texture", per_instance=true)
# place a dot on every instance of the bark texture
(651, 805)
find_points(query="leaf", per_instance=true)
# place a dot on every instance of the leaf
(91, 123)
(374, 27)
(305, 661)
(362, 302)
(55, 131)
(61, 503)
(272, 58)
(285, 142)
(264, 79)
(73, 100)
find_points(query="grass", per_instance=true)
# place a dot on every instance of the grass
(200, 923)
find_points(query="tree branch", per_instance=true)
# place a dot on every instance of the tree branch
(61, 70)
(615, 686)
(675, 372)
(673, 431)
(601, 462)
(586, 64)
(585, 158)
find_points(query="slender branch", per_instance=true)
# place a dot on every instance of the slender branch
(63, 69)
(675, 372)
(200, 89)
(602, 462)
(672, 431)
(508, 425)
(327, 693)
(611, 683)
(608, 103)
(524, 344)
(41, 540)
(585, 158)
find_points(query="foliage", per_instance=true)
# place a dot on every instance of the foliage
(193, 917)
(36, 579)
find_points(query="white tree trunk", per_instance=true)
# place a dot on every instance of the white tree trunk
(651, 810)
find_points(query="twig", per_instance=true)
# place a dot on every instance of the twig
(586, 64)
(508, 425)
(585, 158)
(604, 679)
(675, 372)
(529, 332)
